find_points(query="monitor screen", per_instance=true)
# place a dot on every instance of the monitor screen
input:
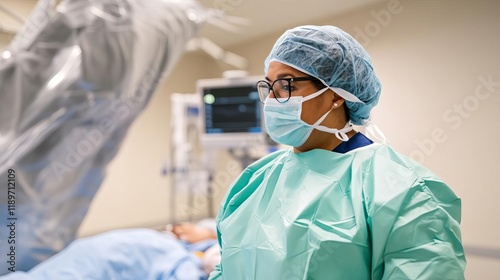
(232, 112)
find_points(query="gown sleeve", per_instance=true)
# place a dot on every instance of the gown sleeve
(235, 195)
(414, 222)
(216, 274)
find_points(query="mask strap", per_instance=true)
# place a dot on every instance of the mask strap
(339, 133)
(374, 132)
(318, 93)
(346, 95)
(316, 124)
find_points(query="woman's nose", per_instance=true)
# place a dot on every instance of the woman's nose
(271, 93)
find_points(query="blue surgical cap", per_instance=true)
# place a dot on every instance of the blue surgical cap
(337, 59)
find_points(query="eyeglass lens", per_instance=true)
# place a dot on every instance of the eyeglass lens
(280, 87)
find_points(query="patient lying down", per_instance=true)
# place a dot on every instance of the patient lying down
(195, 234)
(185, 251)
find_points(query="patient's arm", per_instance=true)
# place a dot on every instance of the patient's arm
(192, 233)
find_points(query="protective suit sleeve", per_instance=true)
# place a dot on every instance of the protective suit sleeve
(424, 241)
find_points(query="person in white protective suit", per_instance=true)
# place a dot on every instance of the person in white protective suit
(336, 205)
(71, 83)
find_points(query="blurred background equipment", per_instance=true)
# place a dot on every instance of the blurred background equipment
(72, 81)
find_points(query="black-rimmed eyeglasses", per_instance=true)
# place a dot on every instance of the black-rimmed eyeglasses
(282, 88)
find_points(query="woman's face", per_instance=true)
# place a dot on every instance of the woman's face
(314, 108)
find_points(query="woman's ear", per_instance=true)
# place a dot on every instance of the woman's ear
(337, 101)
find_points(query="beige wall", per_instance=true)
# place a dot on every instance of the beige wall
(22, 8)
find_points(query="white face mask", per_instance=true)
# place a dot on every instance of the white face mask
(284, 125)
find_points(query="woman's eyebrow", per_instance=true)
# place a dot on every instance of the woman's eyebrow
(285, 75)
(281, 76)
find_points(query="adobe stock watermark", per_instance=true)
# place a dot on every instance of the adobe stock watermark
(39, 17)
(226, 6)
(455, 116)
(381, 19)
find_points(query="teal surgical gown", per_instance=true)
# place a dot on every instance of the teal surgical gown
(370, 213)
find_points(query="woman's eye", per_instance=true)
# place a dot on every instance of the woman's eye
(289, 88)
(282, 92)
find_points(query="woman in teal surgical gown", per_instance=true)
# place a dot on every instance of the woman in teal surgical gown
(337, 205)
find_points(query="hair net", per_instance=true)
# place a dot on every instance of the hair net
(337, 59)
